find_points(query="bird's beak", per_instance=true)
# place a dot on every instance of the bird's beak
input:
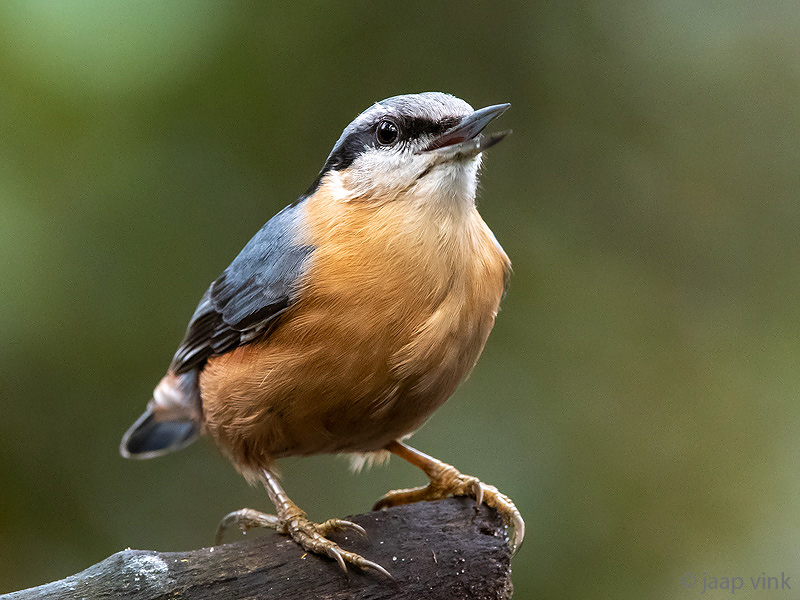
(465, 136)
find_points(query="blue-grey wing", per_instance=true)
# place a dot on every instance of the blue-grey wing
(244, 301)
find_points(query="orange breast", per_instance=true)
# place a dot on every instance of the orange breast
(393, 313)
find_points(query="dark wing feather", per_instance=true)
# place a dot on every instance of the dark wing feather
(258, 285)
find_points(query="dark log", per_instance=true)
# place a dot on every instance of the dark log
(438, 550)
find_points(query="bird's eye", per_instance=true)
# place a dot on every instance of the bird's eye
(386, 133)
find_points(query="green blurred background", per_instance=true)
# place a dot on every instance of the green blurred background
(638, 397)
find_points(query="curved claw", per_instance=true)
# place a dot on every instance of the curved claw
(334, 552)
(504, 505)
(519, 533)
(341, 525)
(477, 490)
(377, 567)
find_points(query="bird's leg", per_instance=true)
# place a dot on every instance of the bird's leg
(291, 520)
(445, 481)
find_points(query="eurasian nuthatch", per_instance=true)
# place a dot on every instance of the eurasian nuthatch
(348, 319)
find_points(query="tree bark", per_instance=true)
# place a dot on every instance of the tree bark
(434, 550)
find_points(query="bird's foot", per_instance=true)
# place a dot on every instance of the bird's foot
(446, 481)
(245, 519)
(311, 536)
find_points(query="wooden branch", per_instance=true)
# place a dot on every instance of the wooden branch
(438, 550)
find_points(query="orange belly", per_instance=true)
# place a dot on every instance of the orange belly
(380, 337)
(317, 385)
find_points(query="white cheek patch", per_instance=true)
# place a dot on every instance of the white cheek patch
(385, 175)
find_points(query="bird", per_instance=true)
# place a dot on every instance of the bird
(347, 320)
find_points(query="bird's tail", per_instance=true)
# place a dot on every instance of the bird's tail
(173, 419)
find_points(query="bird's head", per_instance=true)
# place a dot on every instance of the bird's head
(416, 145)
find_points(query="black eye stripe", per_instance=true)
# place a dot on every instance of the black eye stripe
(349, 148)
(416, 127)
(362, 139)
